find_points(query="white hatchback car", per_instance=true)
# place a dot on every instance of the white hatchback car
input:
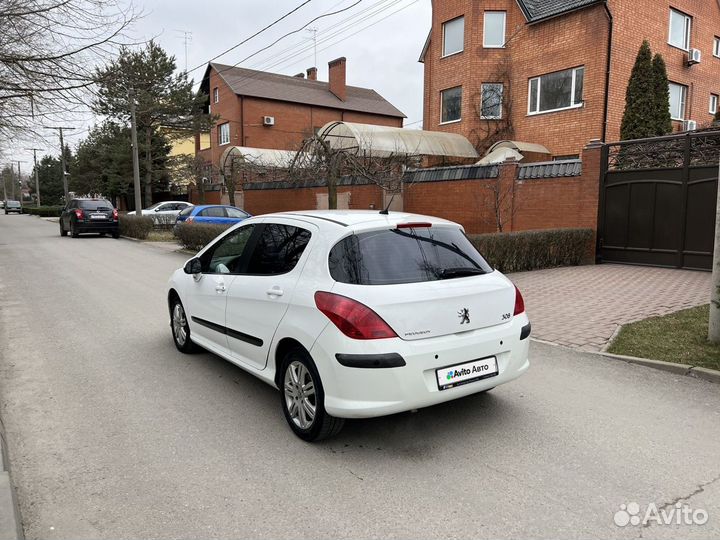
(352, 314)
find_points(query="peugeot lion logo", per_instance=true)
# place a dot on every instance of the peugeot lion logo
(464, 315)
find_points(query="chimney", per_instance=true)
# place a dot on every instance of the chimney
(300, 75)
(337, 78)
(312, 74)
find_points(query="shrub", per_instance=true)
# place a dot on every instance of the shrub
(195, 236)
(135, 226)
(533, 250)
(43, 211)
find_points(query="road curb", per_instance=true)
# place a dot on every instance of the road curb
(706, 374)
(10, 522)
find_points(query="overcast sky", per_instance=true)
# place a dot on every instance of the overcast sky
(381, 39)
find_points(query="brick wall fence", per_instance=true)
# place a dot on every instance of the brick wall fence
(521, 197)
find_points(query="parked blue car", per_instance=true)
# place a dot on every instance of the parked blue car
(212, 213)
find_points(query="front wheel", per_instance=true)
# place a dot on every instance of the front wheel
(180, 328)
(302, 399)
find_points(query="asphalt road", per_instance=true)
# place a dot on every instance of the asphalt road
(115, 434)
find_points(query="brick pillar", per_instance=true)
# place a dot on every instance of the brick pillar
(506, 185)
(590, 193)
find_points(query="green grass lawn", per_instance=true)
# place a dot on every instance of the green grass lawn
(679, 337)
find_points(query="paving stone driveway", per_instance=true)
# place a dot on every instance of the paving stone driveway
(582, 306)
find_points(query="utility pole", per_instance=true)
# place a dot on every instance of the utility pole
(313, 30)
(4, 185)
(19, 184)
(62, 160)
(135, 158)
(37, 181)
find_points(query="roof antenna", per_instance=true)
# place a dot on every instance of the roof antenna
(386, 210)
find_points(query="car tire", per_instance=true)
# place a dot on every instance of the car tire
(180, 328)
(304, 409)
(63, 232)
(116, 235)
(73, 231)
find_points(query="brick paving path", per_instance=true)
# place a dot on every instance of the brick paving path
(581, 307)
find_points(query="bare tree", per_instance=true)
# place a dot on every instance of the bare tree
(493, 107)
(497, 203)
(47, 52)
(318, 159)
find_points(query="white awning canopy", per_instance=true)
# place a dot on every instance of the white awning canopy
(520, 146)
(500, 155)
(383, 141)
(263, 157)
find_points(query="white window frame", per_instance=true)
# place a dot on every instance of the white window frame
(573, 105)
(716, 47)
(714, 100)
(445, 54)
(224, 134)
(482, 100)
(504, 29)
(441, 106)
(216, 94)
(683, 102)
(687, 31)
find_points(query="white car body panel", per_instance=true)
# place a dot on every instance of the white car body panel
(424, 315)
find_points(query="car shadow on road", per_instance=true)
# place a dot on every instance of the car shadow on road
(409, 435)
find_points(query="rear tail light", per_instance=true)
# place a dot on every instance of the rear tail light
(519, 302)
(115, 214)
(352, 318)
(79, 213)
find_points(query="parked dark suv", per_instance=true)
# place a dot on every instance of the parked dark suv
(89, 216)
(13, 206)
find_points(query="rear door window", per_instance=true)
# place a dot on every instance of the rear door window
(235, 213)
(393, 256)
(213, 211)
(278, 250)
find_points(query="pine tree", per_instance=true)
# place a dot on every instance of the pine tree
(640, 102)
(661, 93)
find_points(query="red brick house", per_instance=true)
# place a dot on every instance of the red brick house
(555, 72)
(266, 110)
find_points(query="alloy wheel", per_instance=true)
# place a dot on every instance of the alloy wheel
(179, 322)
(300, 397)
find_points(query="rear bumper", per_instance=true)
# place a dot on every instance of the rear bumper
(104, 226)
(362, 392)
(13, 210)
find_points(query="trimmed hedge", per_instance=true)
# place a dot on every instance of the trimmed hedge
(43, 211)
(135, 226)
(195, 236)
(533, 250)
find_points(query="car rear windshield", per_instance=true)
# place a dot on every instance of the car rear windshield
(187, 211)
(14, 204)
(392, 256)
(99, 204)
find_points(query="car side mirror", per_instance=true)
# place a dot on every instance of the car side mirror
(193, 266)
(157, 209)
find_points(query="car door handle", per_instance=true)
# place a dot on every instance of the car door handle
(220, 288)
(275, 291)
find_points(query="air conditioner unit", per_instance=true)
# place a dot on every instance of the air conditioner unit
(694, 57)
(689, 125)
(268, 120)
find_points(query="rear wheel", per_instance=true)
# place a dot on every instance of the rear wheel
(116, 235)
(302, 399)
(180, 327)
(74, 230)
(63, 232)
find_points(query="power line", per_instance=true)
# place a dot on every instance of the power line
(251, 37)
(290, 33)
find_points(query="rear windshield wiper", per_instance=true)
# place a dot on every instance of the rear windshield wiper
(447, 273)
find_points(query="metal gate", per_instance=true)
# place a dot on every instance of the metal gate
(658, 199)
